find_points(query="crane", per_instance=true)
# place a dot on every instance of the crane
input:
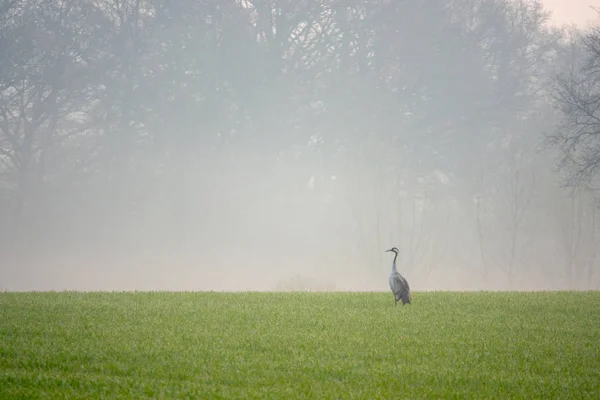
(398, 283)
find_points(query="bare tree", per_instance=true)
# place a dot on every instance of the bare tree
(576, 219)
(577, 96)
(508, 205)
(37, 93)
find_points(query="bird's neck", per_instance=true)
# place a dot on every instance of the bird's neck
(394, 269)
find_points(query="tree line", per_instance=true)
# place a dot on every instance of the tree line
(243, 132)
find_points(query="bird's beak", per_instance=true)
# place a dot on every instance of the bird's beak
(387, 250)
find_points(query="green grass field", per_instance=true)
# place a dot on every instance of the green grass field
(299, 345)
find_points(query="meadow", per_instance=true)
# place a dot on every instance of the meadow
(542, 345)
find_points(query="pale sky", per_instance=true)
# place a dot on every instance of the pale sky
(572, 11)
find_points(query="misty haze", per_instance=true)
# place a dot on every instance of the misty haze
(285, 145)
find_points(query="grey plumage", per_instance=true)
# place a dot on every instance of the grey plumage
(398, 284)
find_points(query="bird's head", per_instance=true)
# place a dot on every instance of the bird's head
(393, 250)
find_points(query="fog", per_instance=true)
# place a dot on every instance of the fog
(285, 145)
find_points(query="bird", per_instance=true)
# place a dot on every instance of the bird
(398, 283)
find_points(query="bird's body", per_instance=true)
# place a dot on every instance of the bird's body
(398, 284)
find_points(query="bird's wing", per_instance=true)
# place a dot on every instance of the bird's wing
(405, 282)
(398, 282)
